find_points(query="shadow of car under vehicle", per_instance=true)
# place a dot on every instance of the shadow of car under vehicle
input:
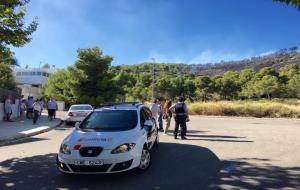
(174, 166)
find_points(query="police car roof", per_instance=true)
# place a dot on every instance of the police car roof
(119, 106)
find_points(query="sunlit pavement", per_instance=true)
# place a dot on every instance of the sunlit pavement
(220, 153)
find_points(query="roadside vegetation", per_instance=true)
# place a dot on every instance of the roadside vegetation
(92, 79)
(13, 33)
(262, 108)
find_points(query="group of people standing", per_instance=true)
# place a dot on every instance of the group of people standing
(30, 108)
(165, 110)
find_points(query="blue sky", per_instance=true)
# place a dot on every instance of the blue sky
(133, 31)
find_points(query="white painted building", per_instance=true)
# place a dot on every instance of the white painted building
(31, 80)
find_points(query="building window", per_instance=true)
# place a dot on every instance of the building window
(46, 74)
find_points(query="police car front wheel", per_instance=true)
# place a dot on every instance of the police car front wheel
(145, 160)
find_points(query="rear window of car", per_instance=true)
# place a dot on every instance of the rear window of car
(110, 120)
(74, 108)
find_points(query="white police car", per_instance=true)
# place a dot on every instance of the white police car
(111, 139)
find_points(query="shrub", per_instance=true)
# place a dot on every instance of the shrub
(262, 108)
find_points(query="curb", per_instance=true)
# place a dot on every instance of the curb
(22, 136)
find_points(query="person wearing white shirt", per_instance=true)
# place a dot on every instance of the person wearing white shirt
(37, 108)
(154, 109)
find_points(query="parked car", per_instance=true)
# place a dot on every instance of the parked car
(77, 113)
(112, 139)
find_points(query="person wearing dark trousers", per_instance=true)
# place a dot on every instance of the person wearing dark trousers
(181, 116)
(160, 116)
(52, 107)
(36, 110)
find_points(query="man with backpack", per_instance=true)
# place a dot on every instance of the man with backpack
(181, 116)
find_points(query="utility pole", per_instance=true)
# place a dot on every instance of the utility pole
(153, 72)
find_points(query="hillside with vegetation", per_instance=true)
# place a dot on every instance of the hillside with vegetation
(92, 80)
(274, 60)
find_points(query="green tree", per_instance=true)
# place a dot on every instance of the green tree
(204, 87)
(59, 87)
(93, 83)
(268, 85)
(266, 71)
(245, 76)
(163, 87)
(246, 82)
(227, 85)
(7, 80)
(249, 90)
(13, 31)
(288, 71)
(190, 89)
(177, 86)
(294, 86)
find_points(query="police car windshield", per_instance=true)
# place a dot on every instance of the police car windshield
(110, 120)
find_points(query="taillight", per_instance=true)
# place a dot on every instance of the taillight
(70, 114)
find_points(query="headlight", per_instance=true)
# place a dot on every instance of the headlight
(65, 149)
(123, 148)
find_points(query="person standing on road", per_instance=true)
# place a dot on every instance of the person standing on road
(167, 115)
(181, 117)
(36, 110)
(51, 106)
(8, 108)
(22, 110)
(160, 115)
(41, 102)
(29, 107)
(154, 109)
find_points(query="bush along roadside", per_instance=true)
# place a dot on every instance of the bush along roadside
(246, 109)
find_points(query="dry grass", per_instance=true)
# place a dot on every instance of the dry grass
(265, 108)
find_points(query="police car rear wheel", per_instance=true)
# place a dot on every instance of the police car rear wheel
(145, 159)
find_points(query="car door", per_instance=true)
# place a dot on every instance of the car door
(151, 136)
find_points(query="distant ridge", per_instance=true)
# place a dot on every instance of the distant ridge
(274, 60)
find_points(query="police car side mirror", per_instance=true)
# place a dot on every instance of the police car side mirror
(148, 125)
(77, 125)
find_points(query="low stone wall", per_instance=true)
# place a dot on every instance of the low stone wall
(15, 110)
(60, 105)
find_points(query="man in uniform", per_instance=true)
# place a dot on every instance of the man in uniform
(180, 111)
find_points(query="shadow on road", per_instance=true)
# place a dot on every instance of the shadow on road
(24, 140)
(220, 138)
(174, 166)
(246, 175)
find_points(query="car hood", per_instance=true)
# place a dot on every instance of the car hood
(107, 140)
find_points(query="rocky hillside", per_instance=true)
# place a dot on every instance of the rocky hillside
(275, 60)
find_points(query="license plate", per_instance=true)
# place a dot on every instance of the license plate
(81, 114)
(88, 162)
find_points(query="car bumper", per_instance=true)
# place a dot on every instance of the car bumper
(74, 119)
(111, 165)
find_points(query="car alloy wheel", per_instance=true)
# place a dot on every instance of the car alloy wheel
(145, 159)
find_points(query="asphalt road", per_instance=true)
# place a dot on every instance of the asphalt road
(221, 153)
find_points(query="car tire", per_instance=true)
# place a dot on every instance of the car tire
(145, 160)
